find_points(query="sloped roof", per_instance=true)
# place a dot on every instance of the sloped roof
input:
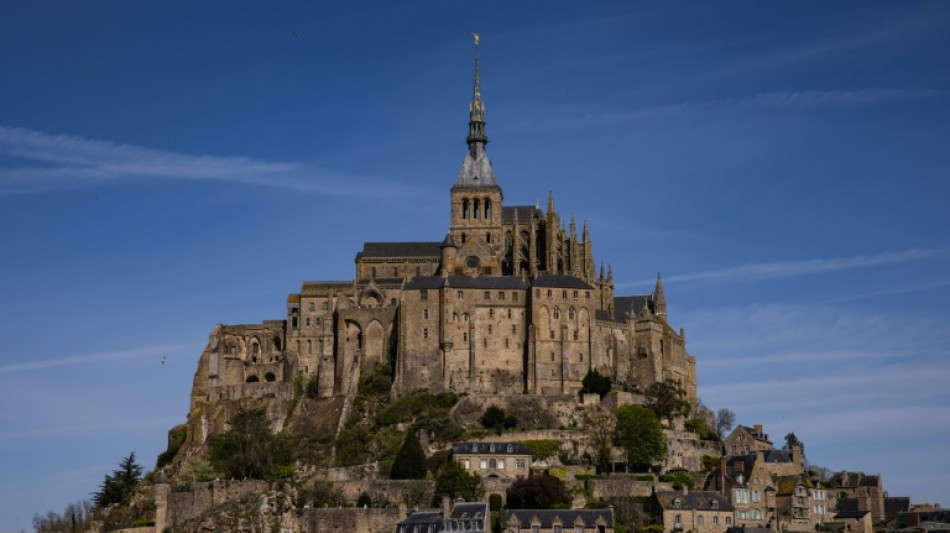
(699, 500)
(777, 456)
(525, 213)
(560, 281)
(756, 434)
(476, 172)
(493, 448)
(851, 514)
(568, 517)
(401, 249)
(631, 304)
(896, 504)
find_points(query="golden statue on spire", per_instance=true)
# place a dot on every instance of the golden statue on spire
(476, 36)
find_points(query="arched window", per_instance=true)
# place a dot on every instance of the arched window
(488, 238)
(465, 208)
(557, 313)
(270, 377)
(487, 208)
(571, 314)
(276, 344)
(463, 238)
(255, 348)
(475, 207)
(252, 379)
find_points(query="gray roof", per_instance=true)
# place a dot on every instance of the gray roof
(466, 282)
(423, 517)
(560, 281)
(851, 514)
(853, 479)
(400, 249)
(469, 510)
(937, 516)
(496, 448)
(605, 316)
(693, 500)
(632, 304)
(747, 529)
(525, 213)
(896, 504)
(777, 456)
(567, 516)
(476, 170)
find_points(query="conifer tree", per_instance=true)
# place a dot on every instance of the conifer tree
(410, 462)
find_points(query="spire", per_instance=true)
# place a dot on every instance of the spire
(659, 299)
(476, 110)
(550, 202)
(586, 232)
(476, 170)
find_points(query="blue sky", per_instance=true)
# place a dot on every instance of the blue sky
(166, 166)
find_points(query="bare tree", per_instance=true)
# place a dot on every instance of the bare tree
(725, 418)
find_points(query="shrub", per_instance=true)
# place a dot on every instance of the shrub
(678, 479)
(319, 493)
(494, 417)
(543, 448)
(454, 481)
(538, 492)
(410, 462)
(596, 384)
(495, 502)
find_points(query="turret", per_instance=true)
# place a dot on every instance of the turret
(659, 299)
(448, 255)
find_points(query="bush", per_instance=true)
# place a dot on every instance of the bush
(455, 482)
(538, 492)
(410, 462)
(494, 417)
(678, 479)
(594, 383)
(250, 449)
(543, 448)
(652, 528)
(495, 502)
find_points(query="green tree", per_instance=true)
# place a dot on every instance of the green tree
(599, 427)
(791, 441)
(594, 383)
(117, 487)
(667, 400)
(640, 435)
(539, 491)
(250, 449)
(453, 481)
(493, 418)
(410, 462)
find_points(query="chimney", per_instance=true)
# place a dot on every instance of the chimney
(758, 428)
(446, 506)
(685, 489)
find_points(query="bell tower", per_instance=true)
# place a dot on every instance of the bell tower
(476, 197)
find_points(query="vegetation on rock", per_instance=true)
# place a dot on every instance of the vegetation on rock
(539, 491)
(117, 487)
(249, 449)
(667, 400)
(640, 435)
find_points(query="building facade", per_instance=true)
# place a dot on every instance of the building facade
(507, 301)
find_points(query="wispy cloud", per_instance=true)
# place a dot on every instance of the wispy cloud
(122, 426)
(762, 102)
(70, 162)
(134, 353)
(784, 269)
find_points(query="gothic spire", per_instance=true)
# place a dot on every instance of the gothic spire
(659, 299)
(476, 110)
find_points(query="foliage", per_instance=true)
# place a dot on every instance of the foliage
(540, 491)
(117, 487)
(410, 462)
(495, 502)
(599, 427)
(76, 518)
(594, 383)
(351, 446)
(543, 448)
(710, 462)
(791, 441)
(667, 400)
(425, 410)
(193, 470)
(640, 435)
(678, 479)
(364, 500)
(436, 460)
(455, 482)
(698, 426)
(417, 493)
(249, 449)
(652, 528)
(725, 419)
(319, 493)
(176, 437)
(312, 388)
(495, 418)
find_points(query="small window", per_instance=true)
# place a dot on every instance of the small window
(425, 314)
(571, 314)
(537, 293)
(699, 520)
(501, 296)
(313, 306)
(326, 306)
(563, 294)
(492, 464)
(308, 321)
(552, 357)
(575, 295)
(483, 464)
(549, 293)
(425, 333)
(372, 272)
(460, 295)
(487, 295)
(557, 313)
(557, 529)
(485, 342)
(418, 272)
(424, 294)
(514, 297)
(678, 519)
(395, 272)
(489, 329)
(582, 358)
(575, 334)
(587, 295)
(464, 336)
(506, 343)
(552, 333)
(535, 529)
(716, 520)
(509, 313)
(514, 329)
(728, 520)
(392, 302)
(488, 238)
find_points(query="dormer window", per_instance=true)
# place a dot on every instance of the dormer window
(714, 504)
(677, 503)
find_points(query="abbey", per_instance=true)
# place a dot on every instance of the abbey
(508, 302)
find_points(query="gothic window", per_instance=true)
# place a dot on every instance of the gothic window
(465, 209)
(571, 314)
(255, 348)
(487, 209)
(557, 313)
(475, 208)
(463, 238)
(395, 272)
(488, 238)
(465, 317)
(425, 314)
(372, 272)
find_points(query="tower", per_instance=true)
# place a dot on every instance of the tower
(476, 198)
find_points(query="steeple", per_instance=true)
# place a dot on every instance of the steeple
(659, 299)
(476, 110)
(476, 170)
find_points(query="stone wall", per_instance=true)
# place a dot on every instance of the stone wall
(350, 520)
(685, 450)
(183, 506)
(625, 487)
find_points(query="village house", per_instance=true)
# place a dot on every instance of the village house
(696, 511)
(508, 460)
(559, 521)
(744, 440)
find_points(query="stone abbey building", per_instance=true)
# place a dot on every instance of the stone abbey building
(509, 302)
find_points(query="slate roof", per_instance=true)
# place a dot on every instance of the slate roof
(400, 249)
(746, 529)
(466, 282)
(495, 448)
(525, 213)
(423, 517)
(632, 304)
(777, 456)
(469, 510)
(476, 172)
(938, 516)
(700, 500)
(560, 281)
(567, 516)
(896, 504)
(605, 316)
